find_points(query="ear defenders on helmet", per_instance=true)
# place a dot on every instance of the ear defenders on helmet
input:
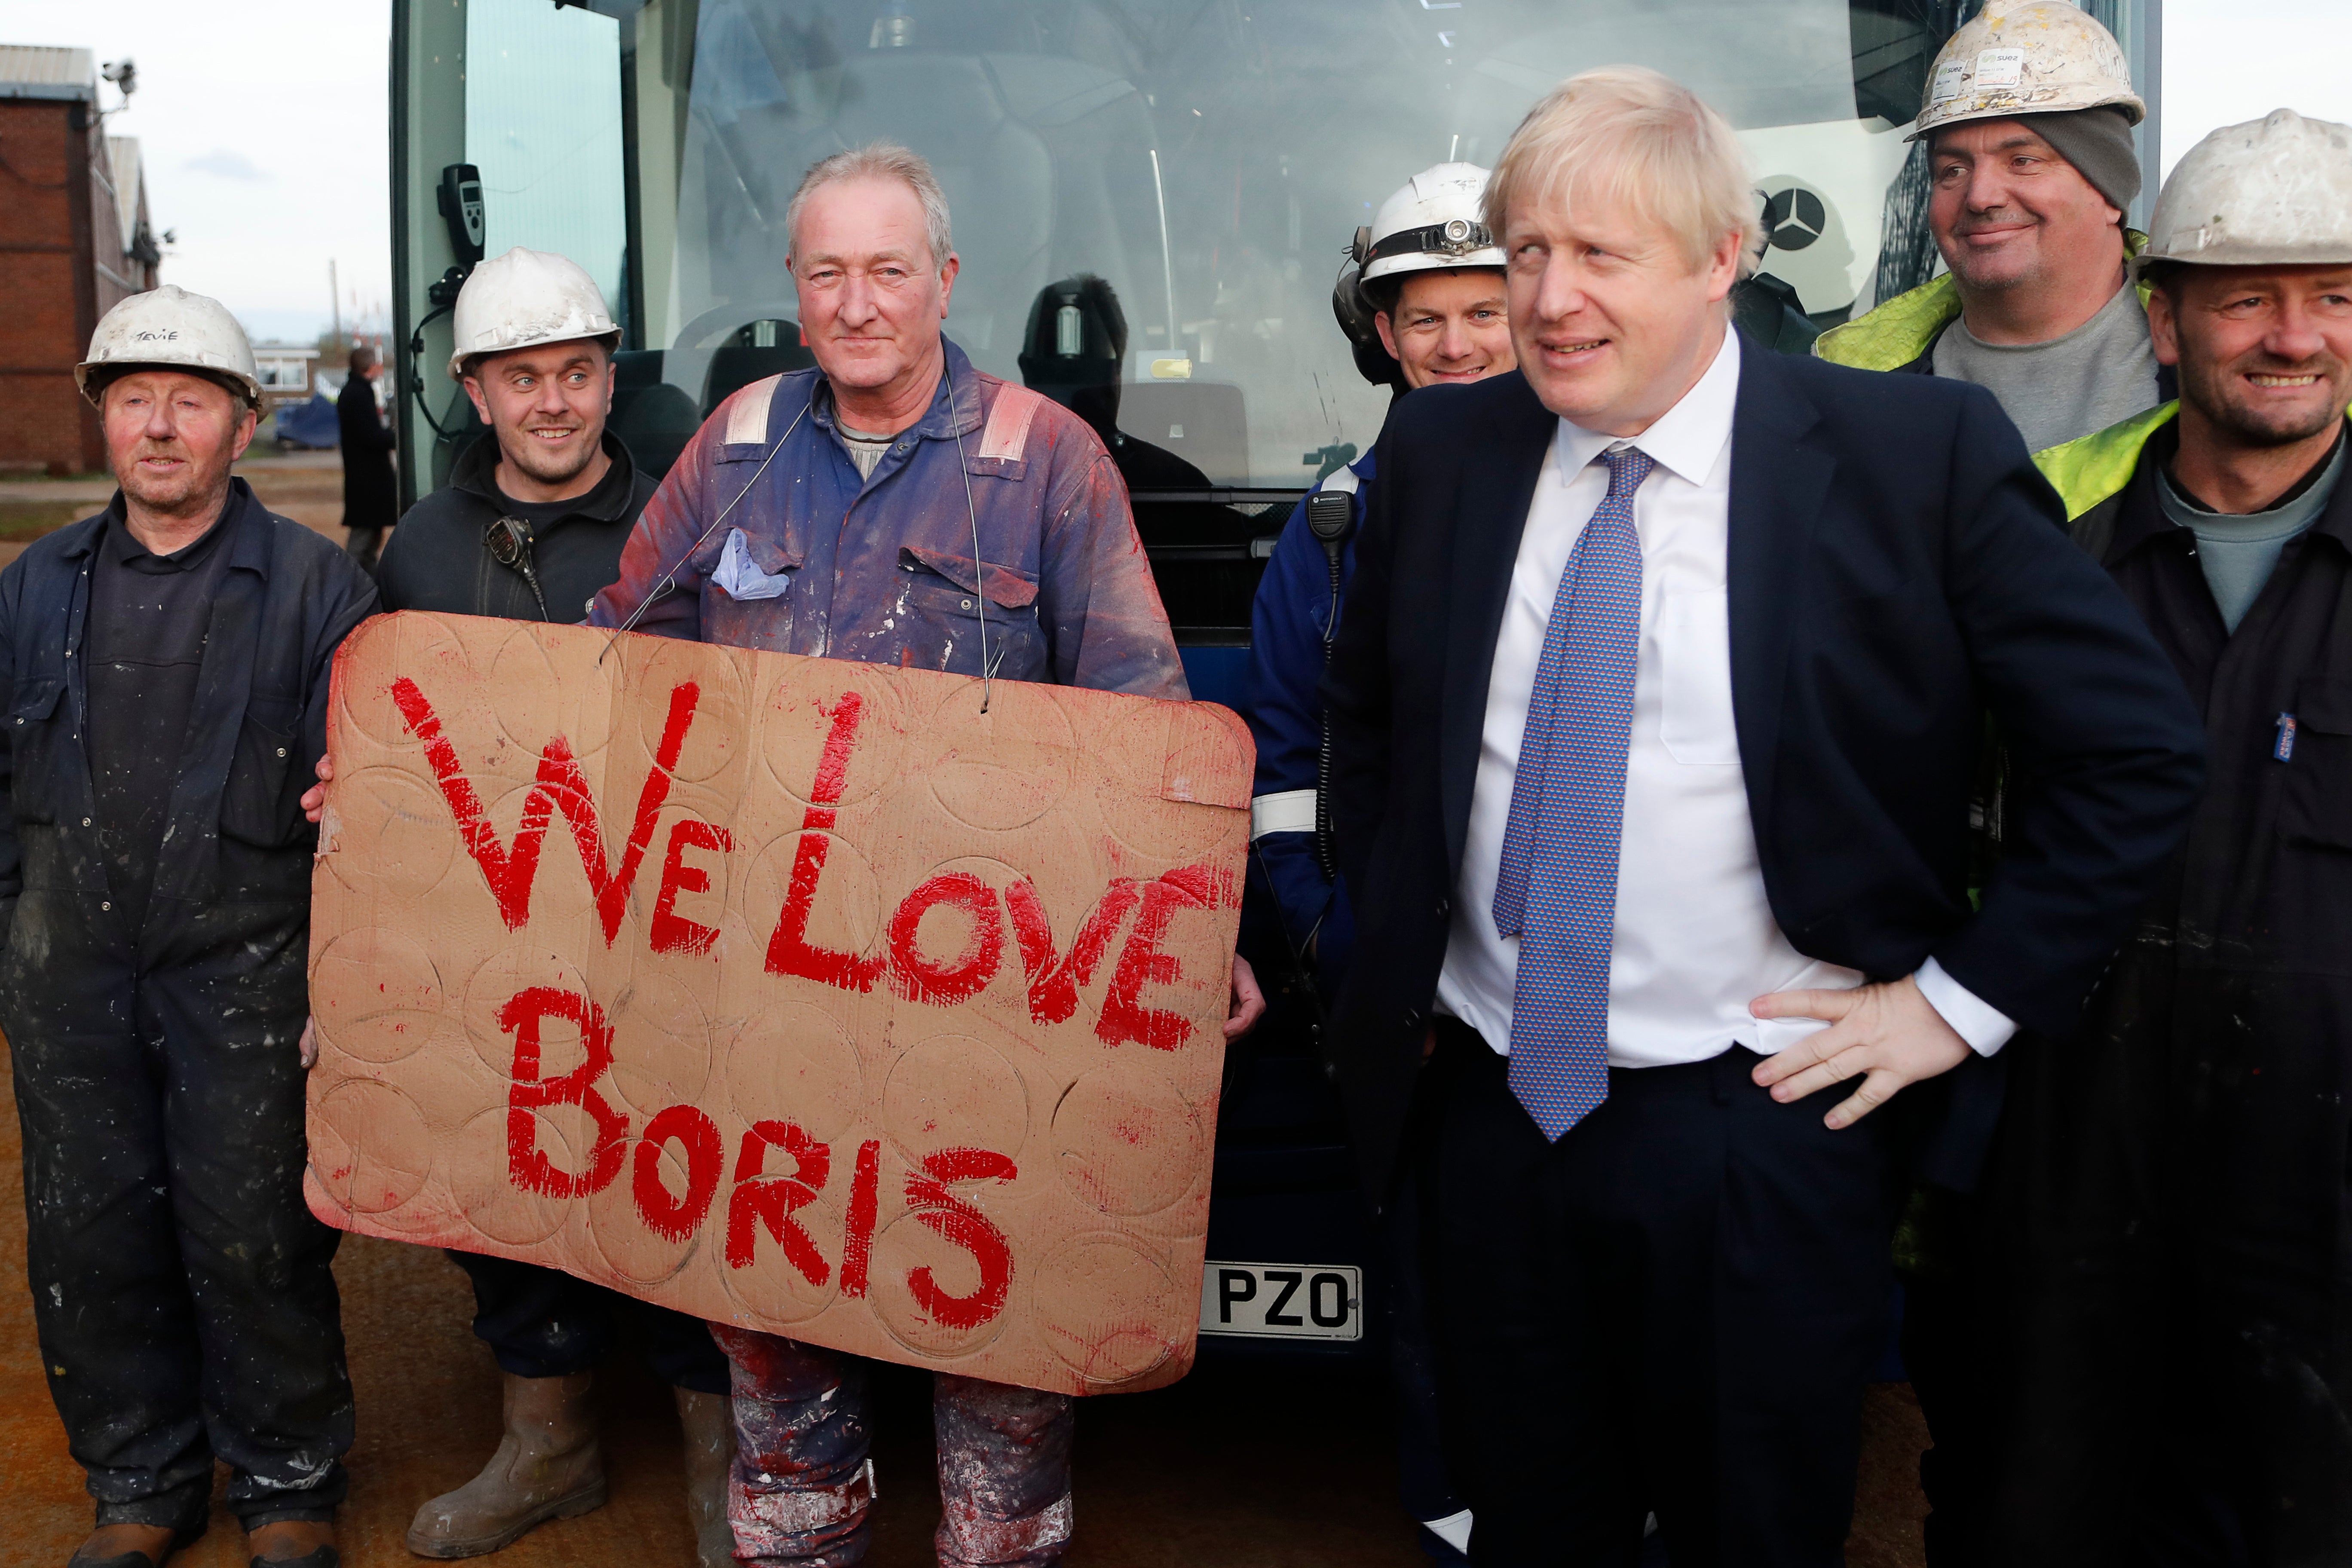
(1354, 311)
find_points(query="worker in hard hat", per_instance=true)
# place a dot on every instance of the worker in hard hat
(896, 506)
(164, 670)
(529, 526)
(2175, 1211)
(1421, 298)
(2030, 168)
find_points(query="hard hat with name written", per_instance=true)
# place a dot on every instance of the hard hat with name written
(1432, 223)
(170, 329)
(2274, 190)
(522, 300)
(2027, 57)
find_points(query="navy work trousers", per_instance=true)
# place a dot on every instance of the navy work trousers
(543, 1322)
(182, 1289)
(1673, 1307)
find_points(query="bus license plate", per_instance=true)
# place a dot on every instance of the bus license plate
(1283, 1301)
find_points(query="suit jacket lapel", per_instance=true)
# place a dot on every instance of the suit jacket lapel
(1489, 515)
(1777, 485)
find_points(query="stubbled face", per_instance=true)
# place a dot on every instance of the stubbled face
(1610, 324)
(2266, 353)
(171, 438)
(547, 405)
(1449, 325)
(2008, 211)
(871, 297)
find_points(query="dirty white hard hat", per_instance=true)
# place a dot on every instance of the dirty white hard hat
(175, 330)
(2274, 190)
(522, 300)
(1432, 222)
(2027, 57)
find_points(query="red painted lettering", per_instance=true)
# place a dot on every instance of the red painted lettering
(865, 1205)
(1140, 962)
(959, 1222)
(672, 932)
(527, 1165)
(675, 1219)
(769, 1201)
(915, 976)
(560, 786)
(1054, 983)
(789, 950)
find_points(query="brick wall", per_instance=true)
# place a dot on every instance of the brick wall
(47, 205)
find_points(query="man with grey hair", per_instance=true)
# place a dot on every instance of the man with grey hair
(1655, 712)
(897, 506)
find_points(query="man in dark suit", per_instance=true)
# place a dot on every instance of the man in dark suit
(1655, 707)
(370, 494)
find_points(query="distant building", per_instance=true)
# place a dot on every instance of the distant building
(74, 241)
(284, 371)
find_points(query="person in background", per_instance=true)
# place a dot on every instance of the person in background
(2173, 1189)
(371, 491)
(164, 669)
(1656, 706)
(1074, 352)
(530, 525)
(1421, 297)
(2028, 122)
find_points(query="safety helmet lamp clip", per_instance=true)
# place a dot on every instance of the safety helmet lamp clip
(523, 300)
(1432, 222)
(2021, 58)
(170, 329)
(2273, 191)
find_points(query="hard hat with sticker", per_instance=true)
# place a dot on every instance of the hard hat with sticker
(170, 329)
(2027, 57)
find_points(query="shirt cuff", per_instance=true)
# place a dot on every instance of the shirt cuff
(1984, 1028)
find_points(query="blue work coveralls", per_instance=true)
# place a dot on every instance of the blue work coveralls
(807, 557)
(180, 1287)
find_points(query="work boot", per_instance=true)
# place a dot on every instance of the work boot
(294, 1544)
(130, 1546)
(548, 1467)
(710, 1423)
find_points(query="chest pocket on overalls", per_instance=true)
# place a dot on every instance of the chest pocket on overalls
(939, 596)
(38, 730)
(2315, 803)
(260, 804)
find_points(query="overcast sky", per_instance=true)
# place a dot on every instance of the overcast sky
(263, 125)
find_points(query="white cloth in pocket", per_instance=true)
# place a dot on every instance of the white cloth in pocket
(743, 580)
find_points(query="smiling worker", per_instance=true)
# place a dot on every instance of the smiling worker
(897, 506)
(2028, 122)
(2188, 1330)
(531, 524)
(164, 669)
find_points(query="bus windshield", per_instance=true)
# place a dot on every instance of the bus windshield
(1208, 162)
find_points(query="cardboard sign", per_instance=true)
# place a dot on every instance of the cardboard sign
(794, 993)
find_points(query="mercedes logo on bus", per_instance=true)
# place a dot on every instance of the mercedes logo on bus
(1794, 219)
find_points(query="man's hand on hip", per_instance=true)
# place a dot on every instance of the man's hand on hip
(1888, 1036)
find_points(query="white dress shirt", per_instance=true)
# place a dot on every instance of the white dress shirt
(1695, 941)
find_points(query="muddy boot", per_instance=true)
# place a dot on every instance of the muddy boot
(546, 1467)
(710, 1423)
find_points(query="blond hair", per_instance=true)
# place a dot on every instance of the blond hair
(877, 161)
(1627, 136)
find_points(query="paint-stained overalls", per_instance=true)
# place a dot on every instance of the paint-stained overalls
(179, 1284)
(811, 559)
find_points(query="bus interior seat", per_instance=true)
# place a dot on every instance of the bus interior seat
(652, 418)
(734, 367)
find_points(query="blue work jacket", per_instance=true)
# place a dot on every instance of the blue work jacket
(773, 540)
(1292, 616)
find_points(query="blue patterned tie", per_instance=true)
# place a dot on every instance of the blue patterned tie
(1556, 890)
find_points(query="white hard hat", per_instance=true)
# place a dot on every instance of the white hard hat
(2027, 57)
(522, 300)
(172, 328)
(1432, 222)
(2273, 191)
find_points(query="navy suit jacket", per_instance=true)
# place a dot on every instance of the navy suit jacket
(1897, 569)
